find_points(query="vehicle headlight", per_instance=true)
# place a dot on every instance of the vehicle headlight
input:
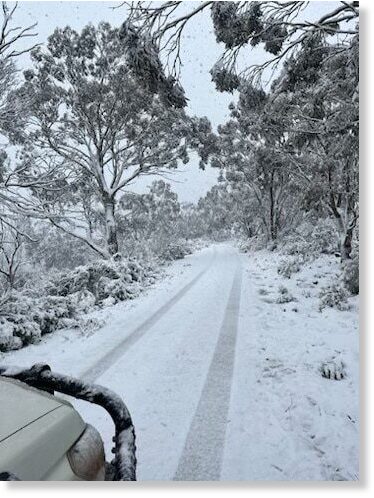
(87, 457)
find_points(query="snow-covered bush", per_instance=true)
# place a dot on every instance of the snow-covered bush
(259, 242)
(289, 266)
(7, 340)
(93, 283)
(351, 275)
(333, 369)
(324, 236)
(29, 314)
(82, 278)
(28, 331)
(333, 296)
(255, 243)
(176, 250)
(82, 301)
(284, 295)
(26, 318)
(297, 246)
(311, 239)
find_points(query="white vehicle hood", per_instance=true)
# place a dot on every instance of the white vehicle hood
(21, 405)
(36, 431)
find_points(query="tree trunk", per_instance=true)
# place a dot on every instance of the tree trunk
(273, 227)
(346, 244)
(110, 226)
(346, 220)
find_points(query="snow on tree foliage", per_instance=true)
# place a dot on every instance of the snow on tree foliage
(275, 26)
(152, 227)
(143, 56)
(224, 79)
(233, 26)
(96, 129)
(284, 148)
(236, 26)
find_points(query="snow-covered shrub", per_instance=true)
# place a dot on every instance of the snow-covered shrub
(50, 312)
(83, 278)
(289, 266)
(256, 243)
(333, 296)
(69, 282)
(297, 246)
(89, 325)
(351, 277)
(118, 290)
(29, 314)
(324, 236)
(311, 239)
(8, 341)
(92, 284)
(28, 317)
(176, 250)
(284, 295)
(58, 301)
(28, 331)
(82, 300)
(333, 369)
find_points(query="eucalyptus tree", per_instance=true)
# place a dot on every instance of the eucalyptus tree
(11, 242)
(279, 28)
(154, 215)
(13, 114)
(253, 156)
(300, 146)
(96, 128)
(319, 89)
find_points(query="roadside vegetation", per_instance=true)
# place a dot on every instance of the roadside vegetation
(99, 109)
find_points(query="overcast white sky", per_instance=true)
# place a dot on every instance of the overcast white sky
(199, 52)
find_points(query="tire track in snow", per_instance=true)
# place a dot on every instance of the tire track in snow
(120, 349)
(202, 455)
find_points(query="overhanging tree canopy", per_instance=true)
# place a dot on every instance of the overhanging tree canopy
(278, 27)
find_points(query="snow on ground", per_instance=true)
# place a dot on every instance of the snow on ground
(287, 422)
(73, 351)
(281, 421)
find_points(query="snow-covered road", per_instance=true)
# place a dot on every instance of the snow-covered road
(192, 358)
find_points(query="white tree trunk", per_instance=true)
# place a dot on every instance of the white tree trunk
(111, 226)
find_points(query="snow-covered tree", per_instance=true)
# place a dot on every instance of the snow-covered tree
(11, 242)
(13, 106)
(279, 28)
(319, 93)
(215, 213)
(253, 155)
(96, 129)
(13, 114)
(150, 219)
(294, 150)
